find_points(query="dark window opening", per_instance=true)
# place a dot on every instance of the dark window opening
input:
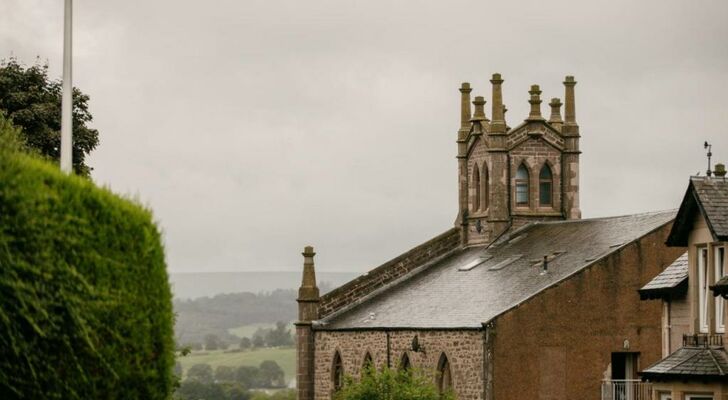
(545, 186)
(337, 372)
(444, 376)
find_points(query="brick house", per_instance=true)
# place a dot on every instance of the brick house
(521, 299)
(693, 291)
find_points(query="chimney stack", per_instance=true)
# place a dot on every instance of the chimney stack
(555, 118)
(535, 101)
(498, 125)
(719, 170)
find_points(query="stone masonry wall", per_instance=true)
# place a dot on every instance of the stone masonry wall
(558, 345)
(463, 348)
(389, 271)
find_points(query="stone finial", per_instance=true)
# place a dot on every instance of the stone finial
(308, 290)
(465, 105)
(535, 101)
(555, 105)
(479, 118)
(719, 170)
(555, 118)
(569, 106)
(479, 114)
(498, 125)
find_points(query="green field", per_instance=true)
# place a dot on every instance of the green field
(285, 357)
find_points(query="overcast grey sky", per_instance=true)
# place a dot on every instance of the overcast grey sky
(255, 127)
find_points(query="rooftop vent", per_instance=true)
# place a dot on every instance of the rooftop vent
(474, 263)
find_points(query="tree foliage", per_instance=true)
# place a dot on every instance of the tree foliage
(390, 384)
(271, 375)
(201, 373)
(85, 301)
(33, 102)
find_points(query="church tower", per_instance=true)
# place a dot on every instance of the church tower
(511, 176)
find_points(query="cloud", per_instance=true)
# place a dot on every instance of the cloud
(254, 128)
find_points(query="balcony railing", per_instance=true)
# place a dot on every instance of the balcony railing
(626, 389)
(703, 340)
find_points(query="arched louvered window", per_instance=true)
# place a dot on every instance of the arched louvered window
(368, 364)
(404, 363)
(545, 186)
(337, 372)
(476, 188)
(444, 376)
(522, 186)
(485, 188)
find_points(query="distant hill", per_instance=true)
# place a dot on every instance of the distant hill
(201, 284)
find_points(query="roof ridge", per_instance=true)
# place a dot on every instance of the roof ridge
(646, 213)
(715, 361)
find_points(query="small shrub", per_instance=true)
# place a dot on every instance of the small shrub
(389, 384)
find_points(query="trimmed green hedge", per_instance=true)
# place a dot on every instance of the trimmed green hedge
(85, 303)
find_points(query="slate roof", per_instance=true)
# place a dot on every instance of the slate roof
(509, 272)
(670, 282)
(710, 197)
(699, 362)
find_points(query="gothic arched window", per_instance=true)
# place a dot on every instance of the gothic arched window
(337, 372)
(444, 376)
(368, 364)
(404, 363)
(522, 186)
(484, 197)
(545, 186)
(476, 188)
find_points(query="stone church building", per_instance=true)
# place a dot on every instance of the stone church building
(521, 299)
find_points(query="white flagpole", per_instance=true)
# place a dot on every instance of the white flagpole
(67, 99)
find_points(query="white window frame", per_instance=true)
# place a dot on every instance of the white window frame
(703, 323)
(664, 395)
(720, 271)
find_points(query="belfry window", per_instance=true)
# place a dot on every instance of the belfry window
(444, 376)
(476, 188)
(522, 186)
(545, 186)
(484, 197)
(337, 372)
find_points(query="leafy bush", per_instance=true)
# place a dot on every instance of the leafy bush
(85, 304)
(389, 384)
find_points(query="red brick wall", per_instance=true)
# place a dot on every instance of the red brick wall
(558, 344)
